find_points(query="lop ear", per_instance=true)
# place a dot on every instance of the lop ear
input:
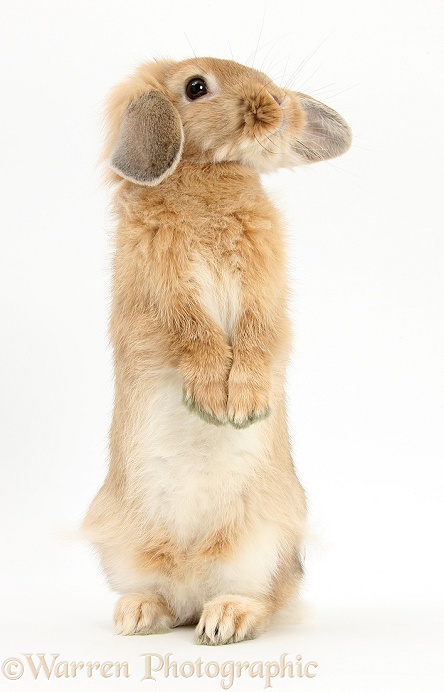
(150, 140)
(325, 133)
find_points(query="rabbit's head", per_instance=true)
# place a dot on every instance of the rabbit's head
(209, 110)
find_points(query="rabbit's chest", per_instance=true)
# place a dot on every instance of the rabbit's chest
(218, 288)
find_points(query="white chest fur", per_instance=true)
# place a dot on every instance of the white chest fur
(219, 293)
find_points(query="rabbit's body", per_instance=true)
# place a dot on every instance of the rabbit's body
(201, 517)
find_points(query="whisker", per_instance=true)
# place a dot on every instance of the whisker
(253, 55)
(353, 86)
(268, 53)
(327, 86)
(275, 64)
(260, 34)
(358, 146)
(308, 150)
(270, 152)
(329, 163)
(332, 165)
(309, 56)
(269, 81)
(286, 65)
(345, 172)
(274, 144)
(300, 86)
(189, 43)
(264, 86)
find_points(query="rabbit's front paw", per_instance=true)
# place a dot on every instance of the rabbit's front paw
(247, 399)
(205, 390)
(209, 402)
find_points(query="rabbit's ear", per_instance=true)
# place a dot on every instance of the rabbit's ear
(150, 140)
(325, 133)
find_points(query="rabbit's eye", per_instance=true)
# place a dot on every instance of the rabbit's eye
(196, 87)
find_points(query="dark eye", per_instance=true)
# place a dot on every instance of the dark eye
(196, 87)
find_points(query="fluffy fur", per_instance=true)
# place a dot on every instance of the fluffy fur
(201, 517)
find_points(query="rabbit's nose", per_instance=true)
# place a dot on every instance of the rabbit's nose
(263, 108)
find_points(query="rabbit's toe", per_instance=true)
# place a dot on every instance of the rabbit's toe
(209, 417)
(207, 398)
(246, 404)
(142, 613)
(229, 619)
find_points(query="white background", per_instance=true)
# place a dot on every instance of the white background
(365, 385)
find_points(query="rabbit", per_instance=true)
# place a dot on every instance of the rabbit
(200, 520)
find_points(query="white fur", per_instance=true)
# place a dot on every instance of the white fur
(274, 151)
(189, 476)
(248, 572)
(187, 471)
(220, 298)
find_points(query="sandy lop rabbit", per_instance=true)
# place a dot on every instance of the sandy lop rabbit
(201, 516)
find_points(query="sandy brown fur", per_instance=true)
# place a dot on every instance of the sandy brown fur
(199, 320)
